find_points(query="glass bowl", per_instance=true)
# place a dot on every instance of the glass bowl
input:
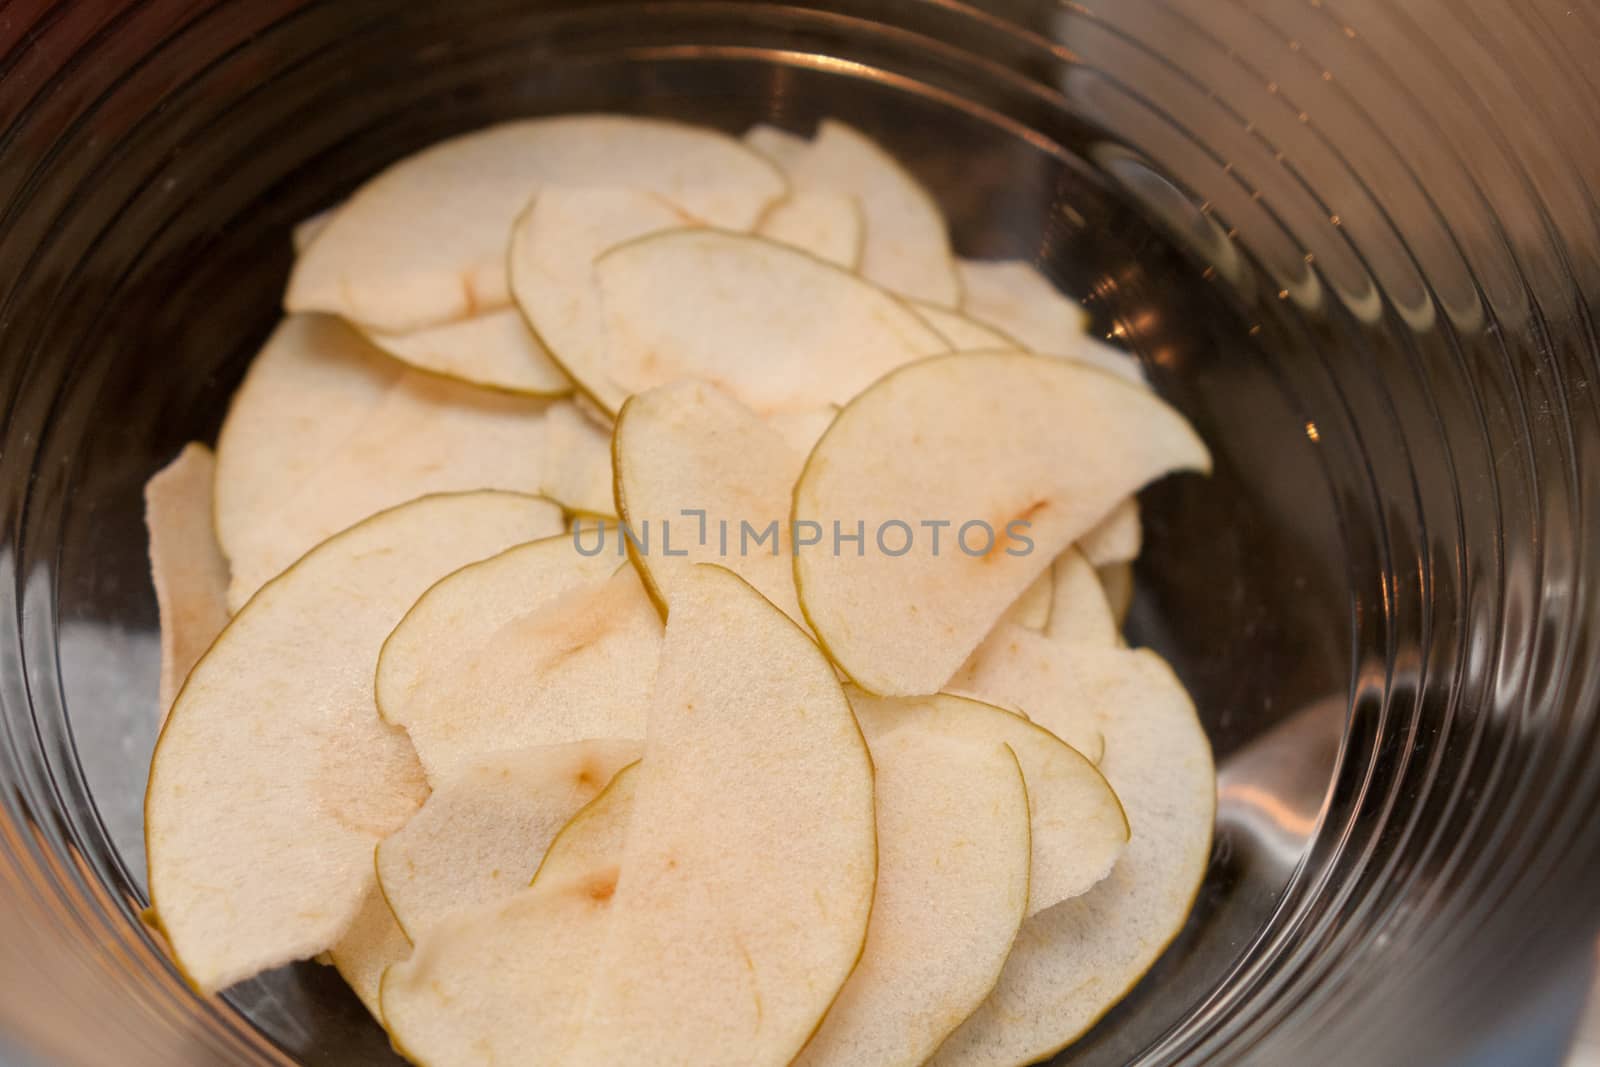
(1357, 243)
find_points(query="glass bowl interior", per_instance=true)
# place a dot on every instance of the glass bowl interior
(1379, 600)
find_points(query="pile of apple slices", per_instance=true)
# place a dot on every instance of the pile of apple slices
(579, 639)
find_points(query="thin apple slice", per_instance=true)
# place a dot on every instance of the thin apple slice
(373, 942)
(1072, 963)
(787, 150)
(696, 303)
(554, 245)
(307, 393)
(1014, 668)
(772, 870)
(457, 615)
(186, 564)
(577, 462)
(802, 429)
(595, 837)
(827, 225)
(702, 479)
(1031, 610)
(367, 437)
(540, 645)
(424, 242)
(309, 229)
(427, 436)
(1117, 580)
(748, 873)
(494, 350)
(1012, 296)
(504, 982)
(1078, 827)
(961, 333)
(953, 853)
(1018, 455)
(483, 831)
(275, 750)
(907, 248)
(1117, 538)
(1079, 611)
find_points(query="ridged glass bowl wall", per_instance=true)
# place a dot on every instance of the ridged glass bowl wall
(1357, 241)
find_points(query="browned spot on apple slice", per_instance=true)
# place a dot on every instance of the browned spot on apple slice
(1002, 538)
(602, 886)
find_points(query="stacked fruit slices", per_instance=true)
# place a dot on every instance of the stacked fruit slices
(842, 797)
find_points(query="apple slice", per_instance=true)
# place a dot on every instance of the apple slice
(1019, 456)
(961, 333)
(427, 436)
(748, 873)
(309, 229)
(1117, 538)
(373, 942)
(953, 848)
(1014, 668)
(802, 429)
(494, 350)
(577, 462)
(772, 873)
(907, 248)
(696, 303)
(364, 438)
(827, 225)
(690, 447)
(1079, 611)
(274, 747)
(554, 245)
(483, 831)
(1077, 823)
(1031, 610)
(787, 150)
(1117, 580)
(504, 982)
(1072, 963)
(306, 394)
(540, 645)
(595, 836)
(1012, 296)
(424, 242)
(186, 565)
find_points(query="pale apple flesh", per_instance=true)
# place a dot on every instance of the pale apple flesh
(274, 747)
(493, 349)
(906, 247)
(373, 943)
(828, 225)
(577, 471)
(696, 302)
(700, 478)
(1073, 962)
(424, 242)
(187, 567)
(748, 872)
(542, 645)
(553, 248)
(1077, 824)
(505, 978)
(1024, 454)
(483, 831)
(327, 430)
(953, 856)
